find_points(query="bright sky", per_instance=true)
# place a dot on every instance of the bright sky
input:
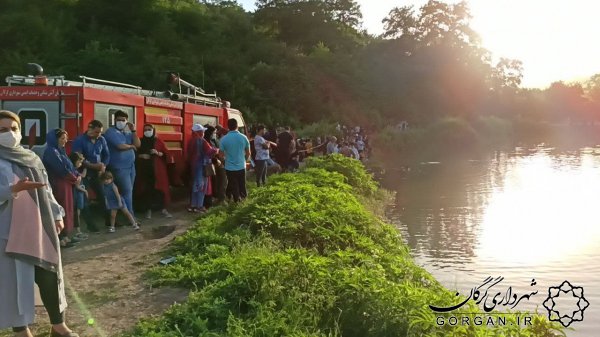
(555, 39)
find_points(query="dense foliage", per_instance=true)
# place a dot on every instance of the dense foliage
(291, 61)
(303, 257)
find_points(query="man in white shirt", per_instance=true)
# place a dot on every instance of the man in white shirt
(262, 146)
(360, 145)
(355, 153)
(332, 146)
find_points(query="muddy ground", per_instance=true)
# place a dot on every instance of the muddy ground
(105, 278)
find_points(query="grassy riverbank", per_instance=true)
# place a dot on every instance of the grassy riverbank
(304, 256)
(457, 137)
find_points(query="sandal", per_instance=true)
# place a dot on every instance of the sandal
(53, 333)
(166, 213)
(191, 209)
(81, 236)
(64, 244)
(111, 229)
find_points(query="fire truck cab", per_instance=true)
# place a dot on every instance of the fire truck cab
(47, 102)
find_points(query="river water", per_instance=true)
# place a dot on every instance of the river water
(525, 214)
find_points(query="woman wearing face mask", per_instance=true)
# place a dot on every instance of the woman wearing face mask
(30, 219)
(62, 178)
(152, 183)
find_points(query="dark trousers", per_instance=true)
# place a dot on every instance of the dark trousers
(261, 172)
(236, 183)
(208, 201)
(283, 159)
(92, 182)
(47, 281)
(151, 198)
(86, 214)
(147, 196)
(220, 184)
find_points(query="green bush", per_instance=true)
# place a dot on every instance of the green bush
(352, 169)
(303, 257)
(313, 176)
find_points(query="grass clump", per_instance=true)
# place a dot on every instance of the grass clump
(353, 170)
(303, 257)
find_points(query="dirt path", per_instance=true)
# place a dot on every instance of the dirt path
(104, 278)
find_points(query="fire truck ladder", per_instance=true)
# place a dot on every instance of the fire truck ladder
(66, 116)
(118, 86)
(193, 93)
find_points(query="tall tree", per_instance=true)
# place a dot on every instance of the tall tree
(436, 22)
(306, 23)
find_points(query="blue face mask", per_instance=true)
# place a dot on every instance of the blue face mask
(121, 125)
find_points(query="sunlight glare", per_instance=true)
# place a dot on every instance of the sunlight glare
(554, 39)
(541, 214)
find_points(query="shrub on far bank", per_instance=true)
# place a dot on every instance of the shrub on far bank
(453, 134)
(494, 131)
(321, 129)
(391, 138)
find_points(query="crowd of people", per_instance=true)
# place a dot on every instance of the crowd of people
(354, 143)
(281, 150)
(43, 201)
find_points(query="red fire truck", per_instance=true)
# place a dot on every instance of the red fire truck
(47, 102)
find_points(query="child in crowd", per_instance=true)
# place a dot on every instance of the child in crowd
(80, 196)
(114, 201)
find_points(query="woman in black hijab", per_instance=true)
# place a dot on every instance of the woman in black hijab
(152, 182)
(219, 180)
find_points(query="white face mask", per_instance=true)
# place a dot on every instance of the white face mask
(10, 139)
(148, 134)
(121, 125)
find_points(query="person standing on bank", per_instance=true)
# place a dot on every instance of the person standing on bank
(30, 219)
(60, 173)
(285, 147)
(122, 144)
(262, 146)
(96, 156)
(152, 181)
(236, 150)
(201, 154)
(219, 180)
(80, 195)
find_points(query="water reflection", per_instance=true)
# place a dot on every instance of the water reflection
(546, 210)
(529, 213)
(442, 207)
